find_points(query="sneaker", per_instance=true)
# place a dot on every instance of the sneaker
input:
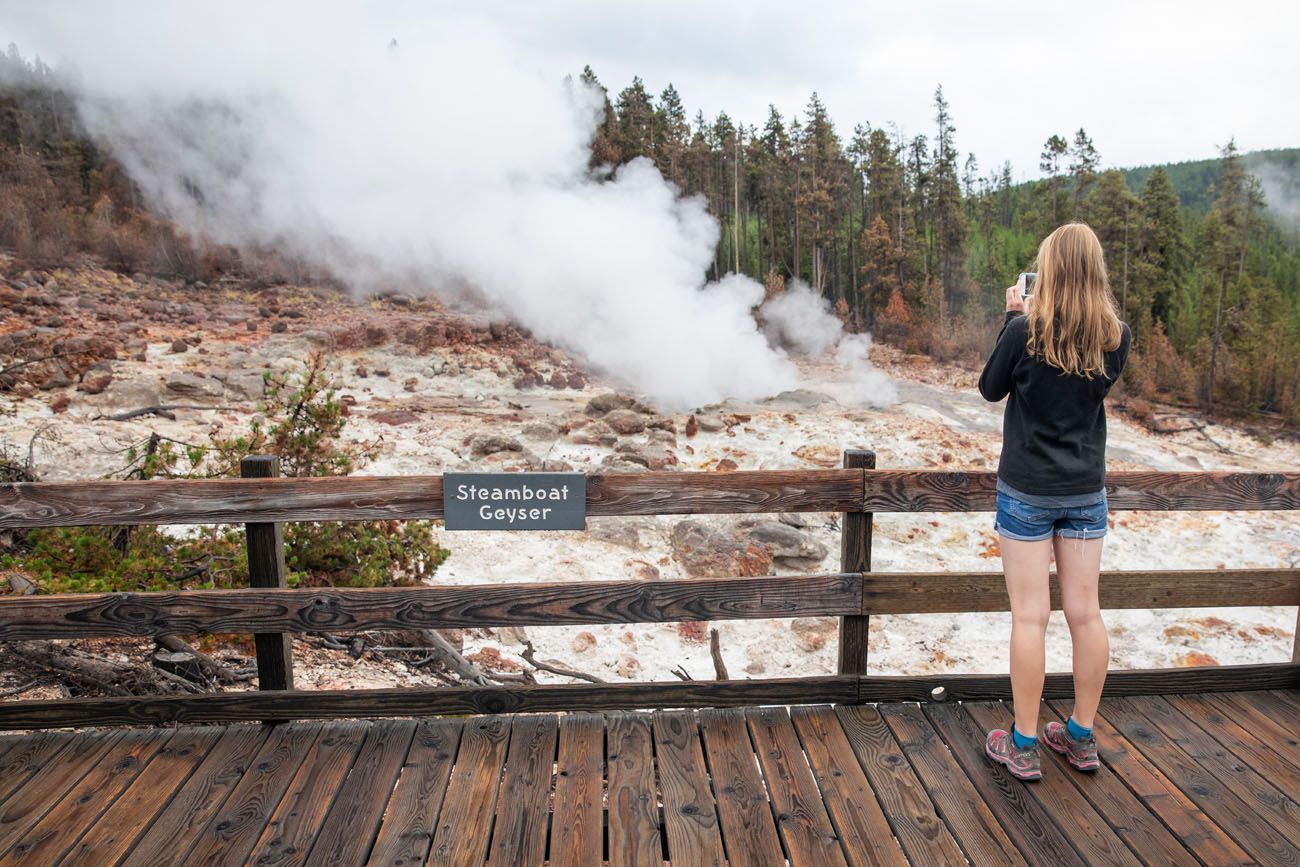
(1023, 764)
(1082, 753)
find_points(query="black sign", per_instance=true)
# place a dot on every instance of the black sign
(515, 501)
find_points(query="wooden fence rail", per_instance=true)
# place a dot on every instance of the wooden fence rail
(263, 501)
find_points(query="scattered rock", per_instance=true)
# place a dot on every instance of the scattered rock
(96, 383)
(610, 400)
(542, 430)
(709, 423)
(726, 465)
(801, 398)
(625, 421)
(488, 444)
(595, 434)
(395, 416)
(191, 385)
(628, 666)
(790, 547)
(708, 553)
(60, 403)
(583, 642)
(18, 583)
(621, 533)
(692, 427)
(279, 327)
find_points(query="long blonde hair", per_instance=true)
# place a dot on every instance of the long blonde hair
(1072, 318)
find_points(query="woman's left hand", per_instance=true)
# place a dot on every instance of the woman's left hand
(1014, 301)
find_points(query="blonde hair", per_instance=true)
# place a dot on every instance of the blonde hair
(1072, 319)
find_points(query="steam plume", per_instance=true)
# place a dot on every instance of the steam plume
(416, 145)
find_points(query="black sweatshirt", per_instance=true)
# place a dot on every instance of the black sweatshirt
(1054, 428)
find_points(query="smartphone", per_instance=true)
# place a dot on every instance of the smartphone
(1025, 282)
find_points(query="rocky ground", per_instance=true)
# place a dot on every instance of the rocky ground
(459, 391)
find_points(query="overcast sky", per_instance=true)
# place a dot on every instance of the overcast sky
(1150, 81)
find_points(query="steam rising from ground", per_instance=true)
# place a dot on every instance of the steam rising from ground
(422, 148)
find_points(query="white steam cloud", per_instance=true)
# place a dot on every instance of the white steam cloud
(417, 145)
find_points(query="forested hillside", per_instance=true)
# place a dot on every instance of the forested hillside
(905, 237)
(908, 238)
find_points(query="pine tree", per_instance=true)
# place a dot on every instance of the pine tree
(1050, 163)
(1083, 166)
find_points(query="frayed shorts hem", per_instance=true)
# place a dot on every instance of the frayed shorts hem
(1063, 533)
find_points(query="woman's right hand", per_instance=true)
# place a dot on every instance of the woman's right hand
(1014, 301)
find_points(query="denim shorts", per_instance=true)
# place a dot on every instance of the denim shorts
(1019, 520)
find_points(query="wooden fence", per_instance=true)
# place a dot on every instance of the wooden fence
(262, 500)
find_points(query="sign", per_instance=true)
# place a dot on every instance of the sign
(514, 501)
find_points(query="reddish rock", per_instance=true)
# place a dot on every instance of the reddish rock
(726, 465)
(625, 421)
(692, 427)
(179, 345)
(395, 416)
(707, 553)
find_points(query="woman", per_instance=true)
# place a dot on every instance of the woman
(1057, 361)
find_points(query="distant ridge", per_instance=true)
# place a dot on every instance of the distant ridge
(1278, 171)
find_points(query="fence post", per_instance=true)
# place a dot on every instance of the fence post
(1295, 646)
(855, 556)
(266, 569)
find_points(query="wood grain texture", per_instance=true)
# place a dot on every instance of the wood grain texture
(420, 701)
(462, 832)
(190, 807)
(1023, 818)
(519, 833)
(1217, 797)
(855, 556)
(579, 780)
(690, 811)
(962, 808)
(936, 491)
(447, 607)
(49, 839)
(957, 592)
(1161, 797)
(1150, 681)
(635, 838)
(801, 818)
(744, 813)
(25, 758)
(866, 737)
(349, 830)
(115, 832)
(367, 498)
(406, 830)
(232, 832)
(265, 546)
(1088, 830)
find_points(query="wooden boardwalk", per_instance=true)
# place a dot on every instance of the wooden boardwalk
(1197, 779)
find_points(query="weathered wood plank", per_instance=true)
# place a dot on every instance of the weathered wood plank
(232, 832)
(961, 806)
(188, 809)
(26, 757)
(744, 813)
(45, 789)
(635, 839)
(858, 741)
(519, 835)
(579, 779)
(420, 701)
(855, 556)
(411, 816)
(1135, 824)
(1161, 797)
(801, 816)
(265, 549)
(365, 498)
(690, 814)
(291, 831)
(1261, 792)
(1024, 819)
(1257, 752)
(446, 607)
(466, 817)
(1150, 681)
(1214, 795)
(936, 491)
(955, 592)
(61, 827)
(134, 810)
(348, 832)
(1252, 710)
(1088, 830)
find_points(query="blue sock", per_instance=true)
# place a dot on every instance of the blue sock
(1020, 740)
(1077, 731)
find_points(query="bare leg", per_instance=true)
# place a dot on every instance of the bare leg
(1078, 562)
(1025, 566)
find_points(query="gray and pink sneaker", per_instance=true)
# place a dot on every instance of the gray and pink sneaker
(1082, 752)
(1023, 764)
